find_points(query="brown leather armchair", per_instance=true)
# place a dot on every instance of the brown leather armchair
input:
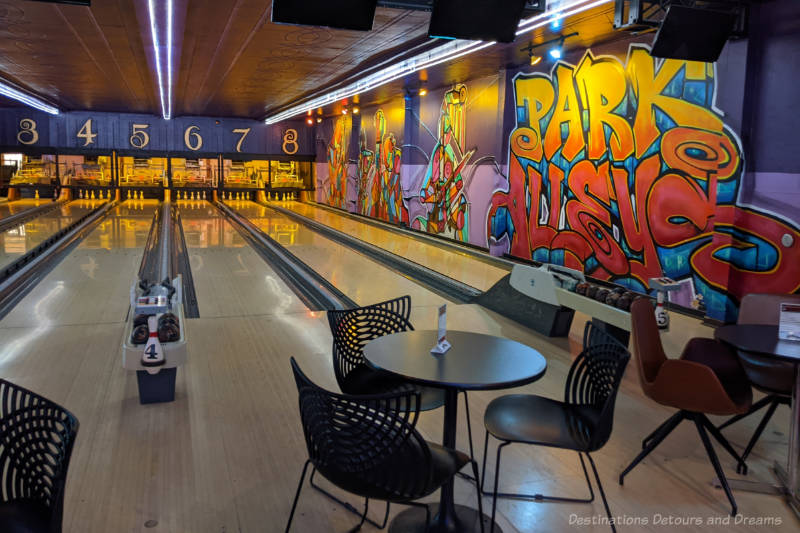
(770, 376)
(706, 379)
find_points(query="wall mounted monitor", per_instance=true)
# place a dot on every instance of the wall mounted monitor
(693, 34)
(340, 14)
(480, 20)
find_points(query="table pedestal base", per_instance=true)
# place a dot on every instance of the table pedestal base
(412, 520)
(781, 487)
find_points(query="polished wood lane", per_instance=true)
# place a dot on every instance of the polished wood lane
(460, 266)
(230, 278)
(19, 240)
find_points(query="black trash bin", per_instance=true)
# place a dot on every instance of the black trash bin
(157, 388)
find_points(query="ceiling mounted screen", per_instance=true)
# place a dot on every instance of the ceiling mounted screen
(340, 14)
(693, 34)
(481, 20)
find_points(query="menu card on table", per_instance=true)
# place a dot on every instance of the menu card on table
(441, 338)
(789, 326)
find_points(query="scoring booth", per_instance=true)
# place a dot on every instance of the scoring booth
(144, 156)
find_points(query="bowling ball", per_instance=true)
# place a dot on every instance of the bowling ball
(169, 333)
(581, 288)
(612, 298)
(619, 290)
(601, 294)
(591, 291)
(168, 318)
(140, 320)
(140, 334)
(624, 302)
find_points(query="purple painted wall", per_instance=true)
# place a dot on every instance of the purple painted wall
(448, 162)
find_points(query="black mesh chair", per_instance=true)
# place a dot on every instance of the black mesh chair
(582, 422)
(368, 445)
(352, 329)
(36, 439)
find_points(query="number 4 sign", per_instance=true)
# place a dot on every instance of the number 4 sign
(153, 355)
(441, 337)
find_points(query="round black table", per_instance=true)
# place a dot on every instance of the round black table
(474, 362)
(763, 340)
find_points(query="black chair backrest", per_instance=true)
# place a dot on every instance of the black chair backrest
(364, 441)
(352, 329)
(593, 334)
(36, 439)
(592, 384)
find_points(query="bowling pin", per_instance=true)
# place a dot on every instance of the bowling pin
(37, 194)
(153, 355)
(204, 195)
(92, 194)
(80, 194)
(129, 194)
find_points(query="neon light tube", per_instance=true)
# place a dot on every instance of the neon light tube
(449, 51)
(27, 99)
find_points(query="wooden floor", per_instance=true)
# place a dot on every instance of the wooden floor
(226, 456)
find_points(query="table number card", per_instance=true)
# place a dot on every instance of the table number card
(789, 327)
(441, 343)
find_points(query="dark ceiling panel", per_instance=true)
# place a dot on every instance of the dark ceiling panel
(229, 60)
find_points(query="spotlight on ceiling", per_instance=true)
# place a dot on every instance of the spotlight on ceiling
(555, 52)
(356, 110)
(535, 60)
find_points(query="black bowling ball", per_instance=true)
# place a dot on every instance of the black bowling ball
(140, 334)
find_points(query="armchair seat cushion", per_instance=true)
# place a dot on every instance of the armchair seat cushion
(24, 516)
(536, 420)
(369, 483)
(726, 366)
(365, 380)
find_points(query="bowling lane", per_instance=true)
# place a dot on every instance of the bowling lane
(363, 280)
(16, 207)
(91, 285)
(460, 266)
(18, 241)
(230, 278)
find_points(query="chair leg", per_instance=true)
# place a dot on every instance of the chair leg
(363, 517)
(661, 434)
(760, 429)
(485, 452)
(648, 438)
(346, 505)
(427, 513)
(478, 490)
(496, 480)
(712, 456)
(469, 435)
(541, 497)
(741, 466)
(297, 496)
(602, 492)
(763, 402)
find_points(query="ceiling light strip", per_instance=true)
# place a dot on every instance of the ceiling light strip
(27, 99)
(151, 8)
(447, 52)
(169, 59)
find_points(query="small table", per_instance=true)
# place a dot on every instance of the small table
(474, 362)
(763, 340)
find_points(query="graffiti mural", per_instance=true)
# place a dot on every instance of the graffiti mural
(379, 192)
(628, 172)
(337, 162)
(442, 189)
